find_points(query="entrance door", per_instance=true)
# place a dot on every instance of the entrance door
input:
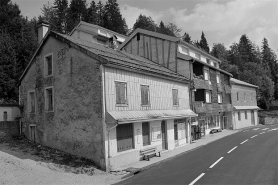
(225, 122)
(252, 118)
(164, 135)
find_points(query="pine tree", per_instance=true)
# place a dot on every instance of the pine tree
(76, 12)
(186, 37)
(204, 43)
(100, 12)
(112, 18)
(146, 23)
(164, 29)
(92, 16)
(60, 18)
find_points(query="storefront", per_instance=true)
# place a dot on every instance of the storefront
(208, 122)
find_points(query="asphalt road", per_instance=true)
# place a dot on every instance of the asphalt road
(247, 157)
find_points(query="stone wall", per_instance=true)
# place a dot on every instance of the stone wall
(269, 120)
(75, 125)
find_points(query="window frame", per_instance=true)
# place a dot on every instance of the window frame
(121, 126)
(149, 134)
(149, 101)
(177, 97)
(220, 97)
(209, 92)
(46, 68)
(46, 100)
(126, 101)
(218, 78)
(206, 70)
(29, 108)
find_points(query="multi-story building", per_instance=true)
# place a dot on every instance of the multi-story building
(100, 103)
(244, 101)
(211, 89)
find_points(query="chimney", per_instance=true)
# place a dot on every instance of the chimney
(43, 27)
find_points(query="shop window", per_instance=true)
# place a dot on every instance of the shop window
(48, 65)
(245, 114)
(238, 115)
(145, 95)
(49, 99)
(175, 97)
(146, 133)
(121, 93)
(208, 96)
(5, 116)
(124, 137)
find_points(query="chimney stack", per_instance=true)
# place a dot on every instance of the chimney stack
(43, 27)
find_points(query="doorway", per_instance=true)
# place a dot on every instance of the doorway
(252, 118)
(225, 123)
(164, 135)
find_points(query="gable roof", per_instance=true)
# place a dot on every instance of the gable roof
(113, 58)
(166, 37)
(239, 82)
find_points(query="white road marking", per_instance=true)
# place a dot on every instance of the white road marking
(245, 130)
(232, 149)
(275, 129)
(244, 141)
(262, 133)
(200, 176)
(216, 162)
(254, 136)
(256, 129)
(265, 129)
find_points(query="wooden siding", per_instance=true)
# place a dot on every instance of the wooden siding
(160, 91)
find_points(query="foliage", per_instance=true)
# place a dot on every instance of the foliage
(186, 37)
(203, 43)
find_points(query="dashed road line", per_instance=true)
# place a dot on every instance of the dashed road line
(254, 136)
(216, 162)
(262, 133)
(244, 141)
(232, 149)
(200, 176)
(265, 129)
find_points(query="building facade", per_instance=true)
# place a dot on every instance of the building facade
(102, 104)
(244, 101)
(8, 112)
(210, 91)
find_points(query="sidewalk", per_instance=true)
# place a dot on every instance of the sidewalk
(141, 165)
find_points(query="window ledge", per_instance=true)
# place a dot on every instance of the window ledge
(175, 105)
(121, 105)
(146, 105)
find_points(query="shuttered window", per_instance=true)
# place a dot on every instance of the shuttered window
(208, 97)
(48, 65)
(121, 93)
(49, 99)
(145, 95)
(175, 97)
(146, 133)
(124, 137)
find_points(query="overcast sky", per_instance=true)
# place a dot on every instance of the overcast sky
(222, 21)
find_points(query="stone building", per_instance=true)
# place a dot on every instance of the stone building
(100, 103)
(210, 91)
(244, 101)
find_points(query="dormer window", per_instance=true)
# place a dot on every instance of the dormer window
(198, 56)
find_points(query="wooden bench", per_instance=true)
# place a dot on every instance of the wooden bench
(148, 152)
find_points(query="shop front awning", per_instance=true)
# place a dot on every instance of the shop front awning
(245, 107)
(122, 117)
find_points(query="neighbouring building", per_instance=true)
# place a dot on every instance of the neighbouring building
(8, 112)
(210, 90)
(244, 101)
(102, 104)
(97, 34)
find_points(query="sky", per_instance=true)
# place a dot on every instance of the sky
(222, 21)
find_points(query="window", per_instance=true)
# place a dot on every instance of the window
(124, 137)
(146, 133)
(121, 93)
(183, 50)
(5, 116)
(238, 115)
(31, 102)
(198, 56)
(218, 78)
(48, 65)
(244, 96)
(208, 61)
(49, 99)
(145, 95)
(219, 98)
(206, 72)
(214, 64)
(245, 114)
(175, 97)
(208, 97)
(237, 96)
